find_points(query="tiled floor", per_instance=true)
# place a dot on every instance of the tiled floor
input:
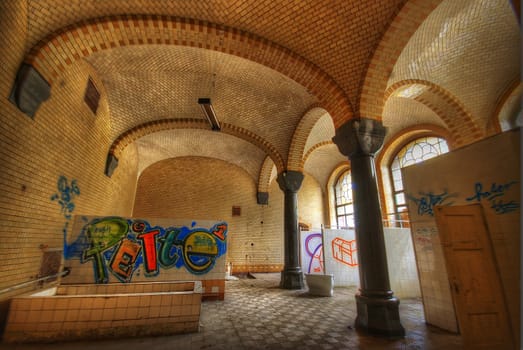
(256, 314)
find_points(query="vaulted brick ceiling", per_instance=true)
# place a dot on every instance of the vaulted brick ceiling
(266, 63)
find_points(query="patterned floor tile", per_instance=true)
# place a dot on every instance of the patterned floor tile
(256, 314)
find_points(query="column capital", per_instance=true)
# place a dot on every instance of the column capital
(360, 137)
(290, 180)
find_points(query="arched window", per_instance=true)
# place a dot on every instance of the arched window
(343, 200)
(414, 152)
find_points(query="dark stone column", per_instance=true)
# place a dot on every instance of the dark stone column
(377, 309)
(291, 276)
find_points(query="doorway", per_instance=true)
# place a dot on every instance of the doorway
(474, 277)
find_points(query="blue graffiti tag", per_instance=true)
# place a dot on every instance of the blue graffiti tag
(493, 194)
(428, 201)
(64, 197)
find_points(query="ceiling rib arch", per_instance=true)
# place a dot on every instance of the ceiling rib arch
(141, 130)
(386, 54)
(459, 121)
(313, 148)
(60, 49)
(265, 178)
(509, 100)
(301, 134)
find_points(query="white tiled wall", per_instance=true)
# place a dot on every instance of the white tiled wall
(124, 313)
(401, 260)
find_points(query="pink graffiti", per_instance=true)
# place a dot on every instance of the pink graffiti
(345, 251)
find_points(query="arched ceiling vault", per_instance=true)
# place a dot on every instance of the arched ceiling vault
(460, 62)
(282, 75)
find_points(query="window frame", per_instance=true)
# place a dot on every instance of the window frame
(441, 141)
(347, 215)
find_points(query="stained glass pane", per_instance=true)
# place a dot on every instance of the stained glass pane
(343, 198)
(414, 152)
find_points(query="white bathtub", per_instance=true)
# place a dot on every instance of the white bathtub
(73, 312)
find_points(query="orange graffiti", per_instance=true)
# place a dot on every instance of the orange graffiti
(345, 251)
(220, 231)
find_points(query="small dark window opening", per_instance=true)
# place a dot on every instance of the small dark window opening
(236, 211)
(92, 96)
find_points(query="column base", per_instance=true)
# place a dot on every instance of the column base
(379, 316)
(291, 280)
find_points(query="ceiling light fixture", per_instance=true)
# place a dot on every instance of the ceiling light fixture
(208, 110)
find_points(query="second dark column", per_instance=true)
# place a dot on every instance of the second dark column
(291, 276)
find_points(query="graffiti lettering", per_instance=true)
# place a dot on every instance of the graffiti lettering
(493, 194)
(149, 250)
(220, 231)
(123, 260)
(427, 201)
(102, 234)
(168, 252)
(120, 246)
(198, 250)
(502, 208)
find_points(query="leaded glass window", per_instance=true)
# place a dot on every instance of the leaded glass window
(344, 202)
(415, 152)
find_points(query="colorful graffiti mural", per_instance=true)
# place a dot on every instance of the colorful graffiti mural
(122, 246)
(344, 251)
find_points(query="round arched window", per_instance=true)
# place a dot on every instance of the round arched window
(414, 152)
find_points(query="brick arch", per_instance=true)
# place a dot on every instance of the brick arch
(313, 148)
(409, 134)
(264, 180)
(462, 127)
(141, 130)
(404, 25)
(299, 139)
(493, 123)
(60, 49)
